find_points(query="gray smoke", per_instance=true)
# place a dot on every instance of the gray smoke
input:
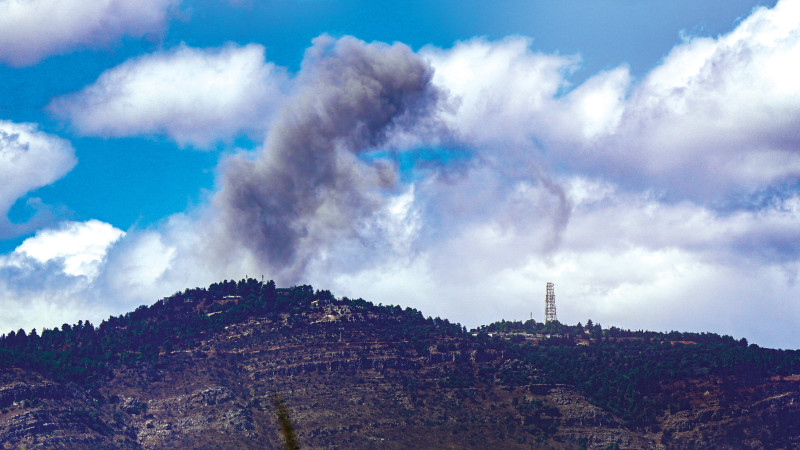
(308, 189)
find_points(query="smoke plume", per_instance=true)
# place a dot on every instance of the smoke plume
(307, 189)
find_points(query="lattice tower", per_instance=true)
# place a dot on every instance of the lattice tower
(550, 304)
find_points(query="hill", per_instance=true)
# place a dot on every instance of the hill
(202, 368)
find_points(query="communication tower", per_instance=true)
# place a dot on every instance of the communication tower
(550, 304)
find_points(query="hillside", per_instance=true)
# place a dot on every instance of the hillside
(201, 369)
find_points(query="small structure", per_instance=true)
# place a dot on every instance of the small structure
(550, 304)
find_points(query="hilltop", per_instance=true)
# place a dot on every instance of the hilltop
(201, 368)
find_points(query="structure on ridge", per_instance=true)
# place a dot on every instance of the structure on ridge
(550, 304)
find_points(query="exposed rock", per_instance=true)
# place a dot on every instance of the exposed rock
(349, 383)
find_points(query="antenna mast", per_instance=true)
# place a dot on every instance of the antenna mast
(550, 304)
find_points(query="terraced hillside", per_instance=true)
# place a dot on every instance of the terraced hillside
(202, 368)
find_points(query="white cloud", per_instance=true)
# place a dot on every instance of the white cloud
(720, 112)
(195, 96)
(29, 159)
(501, 90)
(594, 108)
(669, 289)
(36, 29)
(505, 94)
(624, 259)
(50, 308)
(79, 247)
(183, 252)
(716, 116)
(51, 278)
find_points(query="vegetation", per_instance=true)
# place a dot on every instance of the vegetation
(82, 352)
(619, 370)
(623, 371)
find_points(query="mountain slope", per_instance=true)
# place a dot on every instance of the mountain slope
(201, 369)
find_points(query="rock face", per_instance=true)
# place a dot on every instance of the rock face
(350, 384)
(765, 415)
(39, 412)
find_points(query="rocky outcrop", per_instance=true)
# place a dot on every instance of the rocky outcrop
(184, 417)
(576, 411)
(19, 392)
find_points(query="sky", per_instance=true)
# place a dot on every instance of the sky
(451, 157)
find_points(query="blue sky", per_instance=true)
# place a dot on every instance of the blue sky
(635, 153)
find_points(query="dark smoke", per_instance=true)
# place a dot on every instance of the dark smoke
(308, 189)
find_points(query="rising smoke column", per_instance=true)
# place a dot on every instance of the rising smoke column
(307, 189)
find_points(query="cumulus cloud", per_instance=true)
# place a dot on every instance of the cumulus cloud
(187, 250)
(51, 278)
(195, 96)
(36, 29)
(501, 90)
(29, 159)
(79, 248)
(720, 113)
(661, 256)
(715, 117)
(624, 259)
